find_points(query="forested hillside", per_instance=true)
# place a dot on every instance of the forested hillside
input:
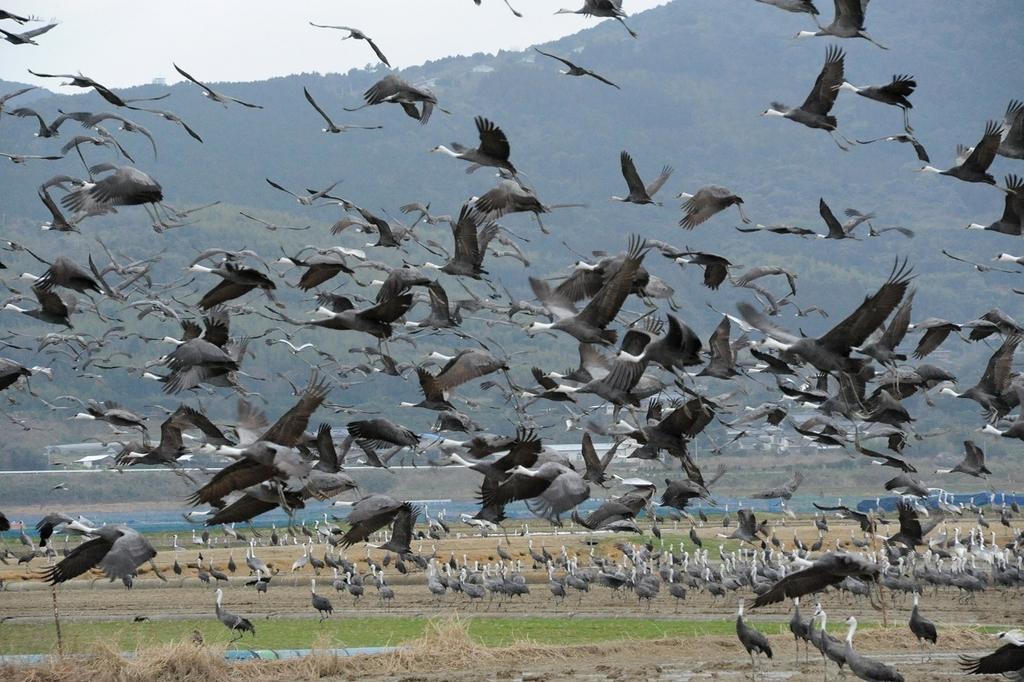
(679, 104)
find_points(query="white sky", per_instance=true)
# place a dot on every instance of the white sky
(131, 42)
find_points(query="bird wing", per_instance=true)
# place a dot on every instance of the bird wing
(376, 50)
(236, 476)
(835, 230)
(901, 85)
(808, 581)
(36, 31)
(557, 304)
(50, 301)
(718, 343)
(128, 552)
(440, 305)
(515, 487)
(633, 181)
(870, 314)
(78, 561)
(997, 370)
(594, 468)
(225, 290)
(581, 284)
(188, 77)
(930, 340)
(897, 328)
(605, 305)
(402, 528)
(188, 130)
(217, 326)
(699, 208)
(524, 451)
(464, 232)
(170, 431)
(545, 382)
(564, 61)
(290, 427)
(493, 142)
(755, 318)
(384, 89)
(889, 459)
(823, 94)
(1014, 196)
(688, 419)
(388, 311)
(325, 447)
(910, 526)
(666, 172)
(601, 78)
(200, 421)
(1006, 659)
(309, 98)
(985, 151)
(466, 367)
(277, 186)
(975, 457)
(1013, 121)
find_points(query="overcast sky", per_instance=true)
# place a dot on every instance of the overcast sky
(131, 42)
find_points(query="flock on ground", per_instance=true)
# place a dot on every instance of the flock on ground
(648, 370)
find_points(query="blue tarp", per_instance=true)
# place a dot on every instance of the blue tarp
(979, 499)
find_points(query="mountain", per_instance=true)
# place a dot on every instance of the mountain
(693, 84)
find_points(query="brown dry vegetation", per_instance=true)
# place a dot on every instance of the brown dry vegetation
(446, 651)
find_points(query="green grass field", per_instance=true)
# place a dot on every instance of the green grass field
(301, 633)
(354, 632)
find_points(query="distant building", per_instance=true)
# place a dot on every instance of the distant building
(93, 461)
(87, 455)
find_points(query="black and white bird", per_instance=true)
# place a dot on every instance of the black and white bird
(332, 127)
(238, 625)
(117, 550)
(576, 70)
(356, 34)
(847, 23)
(922, 628)
(212, 94)
(752, 640)
(814, 112)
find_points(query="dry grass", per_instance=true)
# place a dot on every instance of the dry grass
(446, 645)
(181, 662)
(446, 648)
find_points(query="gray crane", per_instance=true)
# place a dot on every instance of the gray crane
(863, 667)
(356, 34)
(493, 151)
(972, 163)
(611, 9)
(814, 112)
(238, 625)
(638, 193)
(320, 603)
(752, 640)
(847, 23)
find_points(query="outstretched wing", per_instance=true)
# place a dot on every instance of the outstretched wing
(870, 314)
(823, 94)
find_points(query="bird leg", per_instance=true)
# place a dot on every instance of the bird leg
(632, 33)
(743, 216)
(513, 9)
(868, 38)
(839, 144)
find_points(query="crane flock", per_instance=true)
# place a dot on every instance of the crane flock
(650, 372)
